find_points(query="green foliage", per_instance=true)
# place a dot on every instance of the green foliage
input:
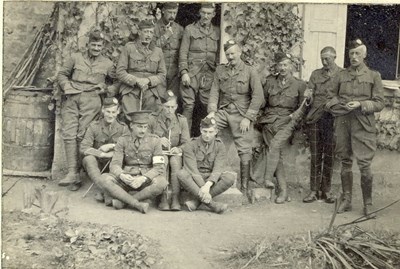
(263, 29)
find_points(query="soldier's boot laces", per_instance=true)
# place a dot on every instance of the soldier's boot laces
(347, 187)
(164, 205)
(366, 187)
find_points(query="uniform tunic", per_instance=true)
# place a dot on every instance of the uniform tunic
(170, 47)
(355, 130)
(236, 93)
(198, 56)
(78, 78)
(137, 61)
(320, 130)
(100, 133)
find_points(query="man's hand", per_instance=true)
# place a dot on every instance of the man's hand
(165, 142)
(143, 83)
(176, 150)
(353, 105)
(107, 155)
(211, 115)
(186, 80)
(138, 181)
(107, 147)
(308, 93)
(126, 178)
(204, 192)
(244, 125)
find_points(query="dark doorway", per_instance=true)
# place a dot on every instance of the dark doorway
(378, 27)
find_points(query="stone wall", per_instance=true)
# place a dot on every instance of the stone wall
(22, 20)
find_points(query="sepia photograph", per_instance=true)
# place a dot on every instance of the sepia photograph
(200, 135)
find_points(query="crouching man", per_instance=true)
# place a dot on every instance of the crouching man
(137, 165)
(203, 174)
(99, 141)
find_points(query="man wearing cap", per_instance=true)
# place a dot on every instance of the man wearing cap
(168, 35)
(283, 95)
(141, 69)
(173, 130)
(198, 56)
(204, 173)
(320, 128)
(82, 78)
(99, 141)
(235, 99)
(137, 165)
(356, 94)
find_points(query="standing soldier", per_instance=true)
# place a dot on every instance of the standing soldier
(137, 165)
(198, 57)
(357, 93)
(141, 69)
(283, 95)
(204, 173)
(173, 130)
(320, 128)
(99, 141)
(168, 35)
(235, 99)
(82, 78)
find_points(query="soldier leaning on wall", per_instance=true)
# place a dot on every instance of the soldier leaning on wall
(82, 78)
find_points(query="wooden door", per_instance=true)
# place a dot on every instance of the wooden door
(324, 25)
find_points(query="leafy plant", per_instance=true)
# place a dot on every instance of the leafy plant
(264, 29)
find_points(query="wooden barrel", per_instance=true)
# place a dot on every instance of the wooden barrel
(28, 131)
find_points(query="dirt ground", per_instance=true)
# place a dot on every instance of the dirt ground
(203, 239)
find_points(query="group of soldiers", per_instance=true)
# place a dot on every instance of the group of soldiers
(147, 150)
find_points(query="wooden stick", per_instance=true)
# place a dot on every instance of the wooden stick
(101, 172)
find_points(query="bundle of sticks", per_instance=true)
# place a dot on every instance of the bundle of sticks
(25, 71)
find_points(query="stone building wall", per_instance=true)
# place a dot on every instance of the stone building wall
(22, 20)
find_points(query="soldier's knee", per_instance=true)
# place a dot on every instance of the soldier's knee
(182, 175)
(89, 160)
(229, 177)
(160, 183)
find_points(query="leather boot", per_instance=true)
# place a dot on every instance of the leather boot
(280, 178)
(245, 176)
(175, 189)
(71, 152)
(192, 205)
(347, 187)
(366, 188)
(216, 207)
(164, 205)
(118, 193)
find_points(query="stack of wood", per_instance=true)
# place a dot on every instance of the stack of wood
(388, 120)
(25, 71)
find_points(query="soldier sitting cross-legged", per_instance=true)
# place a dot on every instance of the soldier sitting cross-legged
(203, 174)
(137, 165)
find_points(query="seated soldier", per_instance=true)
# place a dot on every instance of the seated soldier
(203, 174)
(174, 132)
(99, 141)
(137, 165)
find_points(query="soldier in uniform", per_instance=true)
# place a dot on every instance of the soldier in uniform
(204, 173)
(320, 128)
(198, 57)
(168, 36)
(141, 69)
(283, 95)
(99, 141)
(356, 94)
(82, 78)
(235, 99)
(137, 165)
(173, 130)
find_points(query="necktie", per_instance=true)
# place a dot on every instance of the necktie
(137, 142)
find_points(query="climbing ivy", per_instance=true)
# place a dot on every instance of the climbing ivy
(263, 29)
